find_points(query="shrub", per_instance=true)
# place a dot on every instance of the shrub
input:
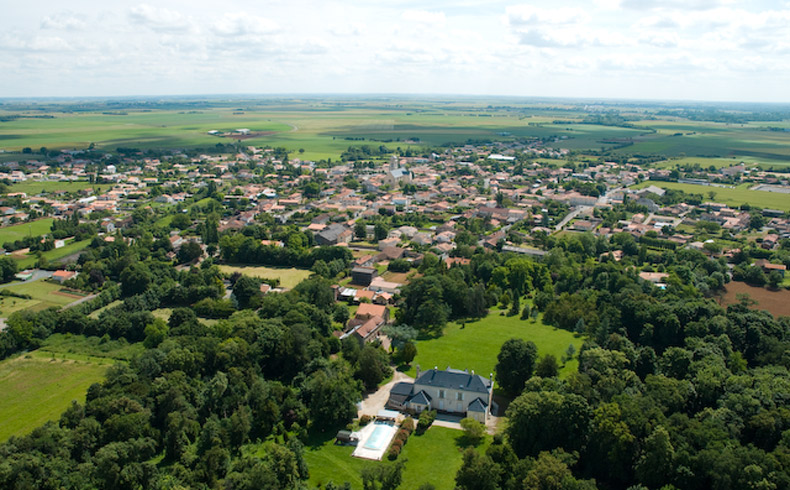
(408, 425)
(426, 419)
(364, 420)
(394, 452)
(402, 435)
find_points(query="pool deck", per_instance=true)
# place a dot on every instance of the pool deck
(376, 454)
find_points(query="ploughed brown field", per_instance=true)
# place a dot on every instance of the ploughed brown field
(776, 302)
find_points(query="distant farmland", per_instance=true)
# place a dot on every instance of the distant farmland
(775, 302)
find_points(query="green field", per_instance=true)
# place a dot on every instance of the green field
(321, 128)
(683, 138)
(476, 345)
(53, 255)
(433, 457)
(92, 349)
(18, 232)
(289, 277)
(37, 388)
(44, 295)
(733, 197)
(33, 188)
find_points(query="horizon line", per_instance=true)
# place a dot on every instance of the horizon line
(285, 95)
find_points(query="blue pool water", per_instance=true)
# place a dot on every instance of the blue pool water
(378, 438)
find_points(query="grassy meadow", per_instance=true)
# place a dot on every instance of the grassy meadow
(475, 345)
(289, 277)
(71, 248)
(731, 196)
(93, 349)
(44, 295)
(39, 386)
(34, 188)
(17, 232)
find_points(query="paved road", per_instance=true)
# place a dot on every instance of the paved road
(571, 215)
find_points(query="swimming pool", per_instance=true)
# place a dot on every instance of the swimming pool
(380, 437)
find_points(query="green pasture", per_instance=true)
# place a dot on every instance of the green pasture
(433, 457)
(475, 345)
(93, 349)
(43, 295)
(53, 255)
(289, 277)
(730, 196)
(704, 163)
(20, 231)
(34, 188)
(38, 387)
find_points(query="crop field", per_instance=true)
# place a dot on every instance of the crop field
(734, 196)
(289, 277)
(475, 345)
(323, 129)
(433, 457)
(44, 295)
(18, 232)
(682, 138)
(39, 386)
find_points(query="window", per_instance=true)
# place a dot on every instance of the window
(460, 396)
(441, 393)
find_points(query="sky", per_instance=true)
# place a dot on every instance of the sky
(719, 50)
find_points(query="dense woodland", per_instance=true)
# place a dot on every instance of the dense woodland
(672, 390)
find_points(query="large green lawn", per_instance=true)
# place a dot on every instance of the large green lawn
(37, 388)
(433, 457)
(475, 345)
(729, 196)
(289, 277)
(18, 232)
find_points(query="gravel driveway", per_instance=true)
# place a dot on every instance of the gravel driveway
(375, 401)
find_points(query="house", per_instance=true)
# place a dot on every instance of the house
(63, 276)
(334, 234)
(451, 390)
(363, 275)
(366, 311)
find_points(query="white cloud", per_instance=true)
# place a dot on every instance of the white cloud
(605, 47)
(242, 24)
(529, 15)
(63, 20)
(675, 4)
(423, 17)
(159, 19)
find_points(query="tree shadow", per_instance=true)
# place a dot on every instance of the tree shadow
(317, 438)
(464, 441)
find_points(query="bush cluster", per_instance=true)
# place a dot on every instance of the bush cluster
(406, 428)
(426, 419)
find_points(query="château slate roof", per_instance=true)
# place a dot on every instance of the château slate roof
(420, 398)
(478, 405)
(455, 379)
